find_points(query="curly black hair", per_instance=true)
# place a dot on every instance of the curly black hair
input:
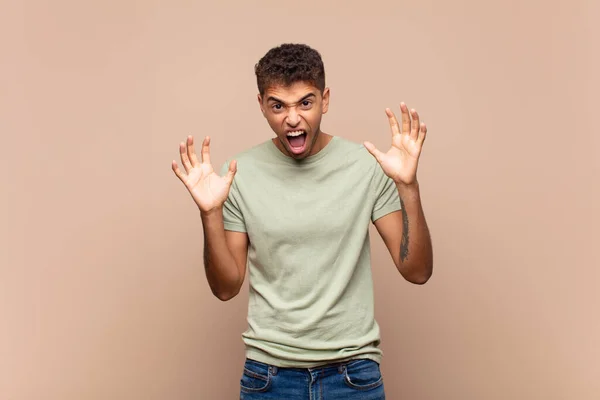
(290, 63)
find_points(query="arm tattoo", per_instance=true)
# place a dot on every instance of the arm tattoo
(206, 255)
(404, 242)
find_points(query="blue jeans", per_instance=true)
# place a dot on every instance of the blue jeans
(351, 380)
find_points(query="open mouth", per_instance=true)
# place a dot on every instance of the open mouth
(297, 141)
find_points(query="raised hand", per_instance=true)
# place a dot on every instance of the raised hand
(401, 161)
(208, 189)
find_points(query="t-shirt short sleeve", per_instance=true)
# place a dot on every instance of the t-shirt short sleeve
(386, 195)
(233, 219)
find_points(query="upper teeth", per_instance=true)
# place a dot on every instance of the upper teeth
(295, 133)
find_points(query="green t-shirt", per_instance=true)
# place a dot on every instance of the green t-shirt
(311, 290)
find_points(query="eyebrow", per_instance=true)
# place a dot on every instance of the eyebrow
(273, 98)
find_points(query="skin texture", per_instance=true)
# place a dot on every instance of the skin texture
(405, 233)
(225, 252)
(301, 106)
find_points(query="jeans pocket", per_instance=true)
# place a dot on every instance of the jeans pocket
(256, 377)
(363, 374)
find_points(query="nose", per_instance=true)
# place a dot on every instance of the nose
(293, 118)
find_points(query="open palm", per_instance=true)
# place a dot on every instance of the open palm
(208, 189)
(401, 160)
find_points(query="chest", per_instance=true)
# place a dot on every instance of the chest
(305, 208)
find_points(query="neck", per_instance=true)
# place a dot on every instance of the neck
(322, 139)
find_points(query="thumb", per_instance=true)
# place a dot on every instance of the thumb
(373, 150)
(231, 172)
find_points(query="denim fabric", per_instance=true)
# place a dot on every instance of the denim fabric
(352, 380)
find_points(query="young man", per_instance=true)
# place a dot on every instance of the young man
(296, 210)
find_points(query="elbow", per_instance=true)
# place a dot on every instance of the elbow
(225, 287)
(225, 296)
(419, 280)
(419, 275)
(227, 293)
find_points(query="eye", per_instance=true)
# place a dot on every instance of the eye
(276, 107)
(306, 103)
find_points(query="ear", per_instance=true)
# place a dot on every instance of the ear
(325, 105)
(259, 98)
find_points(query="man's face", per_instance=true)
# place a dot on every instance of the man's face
(294, 113)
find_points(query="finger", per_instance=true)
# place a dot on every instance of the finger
(206, 150)
(423, 133)
(416, 125)
(393, 122)
(177, 171)
(231, 172)
(191, 152)
(373, 150)
(405, 118)
(184, 157)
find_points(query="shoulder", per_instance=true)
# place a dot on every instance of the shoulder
(249, 157)
(356, 159)
(356, 154)
(256, 152)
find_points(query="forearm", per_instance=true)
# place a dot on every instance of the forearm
(222, 273)
(416, 255)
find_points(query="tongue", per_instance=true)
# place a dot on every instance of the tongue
(298, 141)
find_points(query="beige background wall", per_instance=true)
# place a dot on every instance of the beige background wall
(102, 289)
